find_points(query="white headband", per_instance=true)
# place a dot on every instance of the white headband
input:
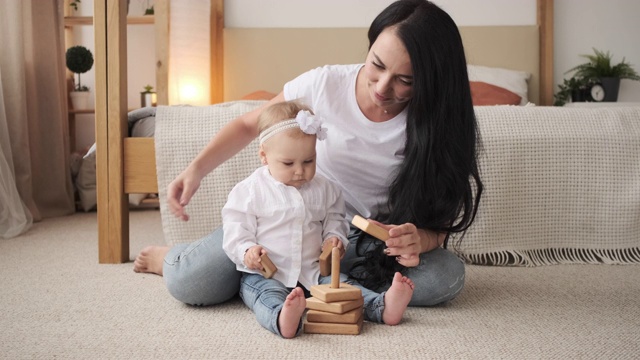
(307, 122)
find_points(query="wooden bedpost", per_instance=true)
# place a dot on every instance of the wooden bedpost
(217, 58)
(545, 24)
(111, 127)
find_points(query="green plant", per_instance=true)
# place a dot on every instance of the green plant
(572, 88)
(148, 89)
(599, 66)
(74, 4)
(79, 60)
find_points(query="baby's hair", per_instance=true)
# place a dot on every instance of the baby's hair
(280, 112)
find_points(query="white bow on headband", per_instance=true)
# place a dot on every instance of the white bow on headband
(307, 122)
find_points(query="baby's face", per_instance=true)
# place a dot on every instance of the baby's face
(291, 160)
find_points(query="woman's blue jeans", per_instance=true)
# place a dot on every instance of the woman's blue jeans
(200, 273)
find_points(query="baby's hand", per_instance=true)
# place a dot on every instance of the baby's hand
(334, 242)
(252, 257)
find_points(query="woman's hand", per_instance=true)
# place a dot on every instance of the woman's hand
(252, 257)
(334, 242)
(405, 243)
(180, 191)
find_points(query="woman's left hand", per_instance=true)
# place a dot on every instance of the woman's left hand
(404, 243)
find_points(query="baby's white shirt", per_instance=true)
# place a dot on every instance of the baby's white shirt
(291, 224)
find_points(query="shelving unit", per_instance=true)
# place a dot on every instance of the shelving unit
(162, 80)
(70, 21)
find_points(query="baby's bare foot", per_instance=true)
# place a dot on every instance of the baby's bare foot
(291, 313)
(150, 259)
(396, 299)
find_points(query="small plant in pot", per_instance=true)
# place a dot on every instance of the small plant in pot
(600, 71)
(79, 60)
(575, 89)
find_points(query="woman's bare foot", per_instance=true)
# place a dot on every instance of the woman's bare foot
(291, 313)
(396, 299)
(150, 260)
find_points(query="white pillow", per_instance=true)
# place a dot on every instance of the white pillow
(512, 80)
(86, 180)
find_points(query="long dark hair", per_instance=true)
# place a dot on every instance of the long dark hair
(437, 186)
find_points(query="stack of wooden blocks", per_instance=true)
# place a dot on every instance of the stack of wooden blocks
(334, 308)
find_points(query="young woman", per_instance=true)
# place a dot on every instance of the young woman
(403, 151)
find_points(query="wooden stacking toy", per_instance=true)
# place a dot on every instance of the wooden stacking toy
(334, 308)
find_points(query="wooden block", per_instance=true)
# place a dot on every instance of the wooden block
(329, 294)
(350, 317)
(338, 307)
(335, 269)
(325, 262)
(269, 268)
(329, 328)
(370, 228)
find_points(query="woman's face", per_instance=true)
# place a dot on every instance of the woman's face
(388, 71)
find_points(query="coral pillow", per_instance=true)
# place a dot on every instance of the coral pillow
(259, 95)
(483, 93)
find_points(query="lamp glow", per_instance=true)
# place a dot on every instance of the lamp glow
(189, 63)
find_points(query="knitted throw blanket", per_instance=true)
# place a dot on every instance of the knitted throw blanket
(562, 185)
(181, 132)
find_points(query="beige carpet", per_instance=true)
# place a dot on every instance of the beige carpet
(58, 303)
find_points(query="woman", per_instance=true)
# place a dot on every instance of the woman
(403, 152)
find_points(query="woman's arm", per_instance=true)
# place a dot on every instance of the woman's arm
(232, 138)
(430, 240)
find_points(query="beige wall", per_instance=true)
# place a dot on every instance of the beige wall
(579, 26)
(611, 25)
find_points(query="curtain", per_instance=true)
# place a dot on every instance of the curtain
(35, 140)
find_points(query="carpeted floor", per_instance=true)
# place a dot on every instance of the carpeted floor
(59, 303)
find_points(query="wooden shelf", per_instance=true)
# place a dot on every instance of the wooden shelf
(83, 111)
(90, 111)
(70, 21)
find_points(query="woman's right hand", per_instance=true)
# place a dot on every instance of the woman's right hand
(180, 191)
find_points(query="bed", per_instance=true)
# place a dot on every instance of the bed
(128, 165)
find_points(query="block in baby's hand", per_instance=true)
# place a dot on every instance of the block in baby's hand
(269, 267)
(325, 261)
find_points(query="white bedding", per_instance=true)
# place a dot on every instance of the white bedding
(141, 124)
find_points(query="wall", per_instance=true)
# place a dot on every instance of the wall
(579, 26)
(604, 25)
(360, 13)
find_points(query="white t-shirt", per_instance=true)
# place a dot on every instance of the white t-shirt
(359, 155)
(291, 224)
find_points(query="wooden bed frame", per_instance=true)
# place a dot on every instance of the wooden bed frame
(127, 165)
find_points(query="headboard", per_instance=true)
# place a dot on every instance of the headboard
(265, 59)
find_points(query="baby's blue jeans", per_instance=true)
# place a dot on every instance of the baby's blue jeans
(265, 297)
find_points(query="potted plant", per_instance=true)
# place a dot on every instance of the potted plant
(575, 89)
(148, 97)
(599, 70)
(79, 60)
